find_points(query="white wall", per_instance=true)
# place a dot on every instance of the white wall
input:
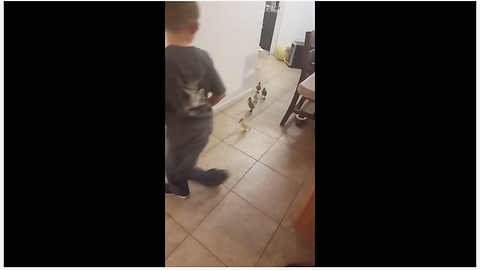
(230, 33)
(297, 18)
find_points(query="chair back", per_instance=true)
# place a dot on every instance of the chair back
(309, 43)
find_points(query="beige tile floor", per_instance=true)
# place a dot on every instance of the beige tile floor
(248, 220)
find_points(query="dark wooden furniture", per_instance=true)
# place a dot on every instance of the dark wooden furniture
(295, 105)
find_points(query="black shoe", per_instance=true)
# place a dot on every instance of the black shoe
(169, 192)
(215, 177)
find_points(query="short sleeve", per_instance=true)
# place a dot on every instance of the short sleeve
(216, 85)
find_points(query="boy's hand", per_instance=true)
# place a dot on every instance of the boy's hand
(214, 99)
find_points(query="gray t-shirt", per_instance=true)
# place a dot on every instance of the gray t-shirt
(189, 77)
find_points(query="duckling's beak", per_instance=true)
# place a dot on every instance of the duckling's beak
(240, 121)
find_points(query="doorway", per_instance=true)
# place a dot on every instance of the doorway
(268, 25)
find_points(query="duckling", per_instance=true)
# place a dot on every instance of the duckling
(251, 104)
(259, 87)
(264, 93)
(244, 125)
(255, 98)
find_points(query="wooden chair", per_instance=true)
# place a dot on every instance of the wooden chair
(295, 105)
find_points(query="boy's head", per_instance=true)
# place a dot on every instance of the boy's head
(181, 17)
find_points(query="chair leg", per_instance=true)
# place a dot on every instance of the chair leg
(300, 103)
(290, 108)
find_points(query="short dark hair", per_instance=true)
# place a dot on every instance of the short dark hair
(178, 15)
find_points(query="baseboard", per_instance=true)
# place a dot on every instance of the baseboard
(222, 106)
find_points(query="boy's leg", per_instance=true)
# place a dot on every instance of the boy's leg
(181, 159)
(177, 180)
(212, 177)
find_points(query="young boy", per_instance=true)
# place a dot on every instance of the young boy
(190, 76)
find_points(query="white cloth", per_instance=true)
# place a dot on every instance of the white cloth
(307, 87)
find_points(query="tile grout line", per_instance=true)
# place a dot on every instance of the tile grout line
(173, 251)
(258, 161)
(191, 234)
(229, 191)
(296, 151)
(188, 234)
(232, 191)
(286, 177)
(249, 169)
(274, 233)
(300, 186)
(268, 244)
(213, 208)
(243, 151)
(291, 204)
(209, 249)
(276, 140)
(245, 200)
(279, 224)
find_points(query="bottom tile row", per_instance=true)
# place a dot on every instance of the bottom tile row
(235, 234)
